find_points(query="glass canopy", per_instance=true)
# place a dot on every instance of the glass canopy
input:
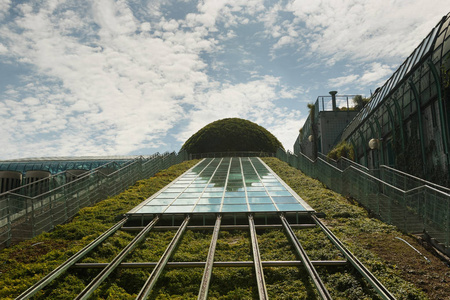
(221, 185)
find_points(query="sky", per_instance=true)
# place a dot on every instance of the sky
(115, 77)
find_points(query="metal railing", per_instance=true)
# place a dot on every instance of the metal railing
(232, 154)
(39, 206)
(412, 204)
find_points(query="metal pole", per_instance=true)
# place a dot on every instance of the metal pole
(116, 261)
(262, 291)
(71, 261)
(382, 291)
(204, 287)
(444, 128)
(151, 281)
(419, 116)
(305, 260)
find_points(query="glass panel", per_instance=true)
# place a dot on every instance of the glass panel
(152, 209)
(185, 201)
(207, 208)
(262, 207)
(179, 209)
(290, 207)
(234, 208)
(199, 193)
(210, 201)
(259, 200)
(284, 200)
(256, 194)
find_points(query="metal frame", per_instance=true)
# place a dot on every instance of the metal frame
(208, 266)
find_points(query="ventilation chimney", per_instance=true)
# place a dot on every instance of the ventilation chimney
(333, 99)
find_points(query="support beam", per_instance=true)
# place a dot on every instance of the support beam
(70, 262)
(419, 116)
(305, 260)
(257, 261)
(223, 227)
(382, 291)
(380, 137)
(204, 287)
(364, 146)
(89, 289)
(216, 264)
(400, 121)
(151, 281)
(444, 128)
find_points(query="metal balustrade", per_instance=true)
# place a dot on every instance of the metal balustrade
(412, 204)
(28, 211)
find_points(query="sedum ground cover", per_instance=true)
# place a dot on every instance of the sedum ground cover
(374, 243)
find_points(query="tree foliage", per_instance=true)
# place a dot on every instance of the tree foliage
(232, 134)
(359, 102)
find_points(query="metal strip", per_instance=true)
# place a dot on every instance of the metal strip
(204, 287)
(89, 289)
(305, 259)
(223, 227)
(257, 260)
(216, 264)
(265, 188)
(382, 291)
(151, 281)
(419, 117)
(209, 181)
(225, 185)
(243, 183)
(71, 261)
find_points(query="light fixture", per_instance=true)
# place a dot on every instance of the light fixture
(310, 138)
(374, 143)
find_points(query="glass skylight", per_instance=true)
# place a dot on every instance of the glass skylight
(222, 185)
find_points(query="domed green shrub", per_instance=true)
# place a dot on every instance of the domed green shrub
(232, 134)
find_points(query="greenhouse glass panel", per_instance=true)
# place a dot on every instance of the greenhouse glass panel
(225, 185)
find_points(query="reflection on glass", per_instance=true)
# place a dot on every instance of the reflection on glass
(213, 188)
(234, 208)
(210, 200)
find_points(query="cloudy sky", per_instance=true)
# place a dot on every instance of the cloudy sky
(116, 77)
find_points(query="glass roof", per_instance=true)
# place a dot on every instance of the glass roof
(391, 84)
(221, 185)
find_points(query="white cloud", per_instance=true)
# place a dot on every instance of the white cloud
(364, 30)
(253, 100)
(114, 76)
(373, 74)
(344, 80)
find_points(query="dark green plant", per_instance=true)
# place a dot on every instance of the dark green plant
(359, 102)
(343, 149)
(232, 134)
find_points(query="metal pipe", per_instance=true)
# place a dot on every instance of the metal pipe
(400, 121)
(216, 264)
(223, 227)
(151, 281)
(444, 128)
(89, 289)
(262, 291)
(204, 286)
(70, 262)
(382, 291)
(305, 260)
(419, 116)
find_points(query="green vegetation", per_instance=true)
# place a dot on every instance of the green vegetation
(359, 102)
(343, 149)
(232, 134)
(405, 273)
(27, 262)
